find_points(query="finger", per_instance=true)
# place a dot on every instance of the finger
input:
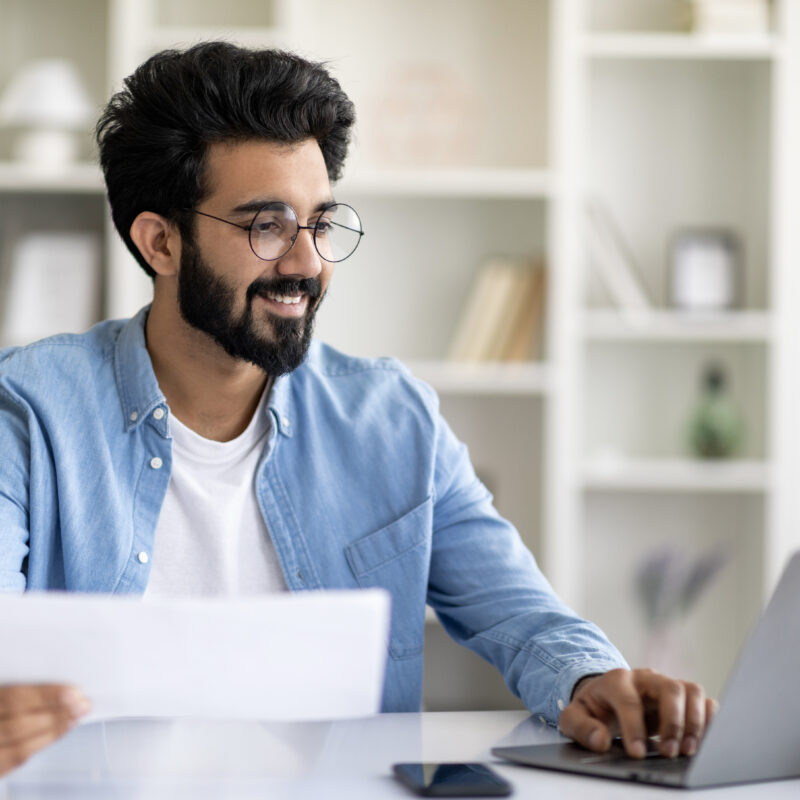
(712, 706)
(624, 697)
(14, 756)
(16, 700)
(695, 722)
(15, 730)
(670, 696)
(578, 723)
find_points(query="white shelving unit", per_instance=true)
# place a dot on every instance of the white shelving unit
(675, 475)
(483, 379)
(670, 326)
(527, 184)
(679, 46)
(483, 126)
(78, 179)
(680, 131)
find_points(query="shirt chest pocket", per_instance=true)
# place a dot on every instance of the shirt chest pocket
(397, 558)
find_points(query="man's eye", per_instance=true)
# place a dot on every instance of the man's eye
(323, 227)
(266, 227)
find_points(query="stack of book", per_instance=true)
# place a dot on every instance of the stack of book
(729, 16)
(502, 317)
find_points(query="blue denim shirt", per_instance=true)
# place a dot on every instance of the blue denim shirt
(361, 484)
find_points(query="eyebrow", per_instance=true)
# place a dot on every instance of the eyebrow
(256, 205)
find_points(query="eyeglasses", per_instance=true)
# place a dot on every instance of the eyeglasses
(275, 228)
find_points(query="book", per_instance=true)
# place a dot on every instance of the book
(519, 277)
(525, 341)
(462, 345)
(53, 286)
(483, 313)
(611, 259)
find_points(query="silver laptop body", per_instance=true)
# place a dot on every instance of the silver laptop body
(756, 733)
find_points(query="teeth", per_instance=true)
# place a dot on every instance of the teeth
(285, 298)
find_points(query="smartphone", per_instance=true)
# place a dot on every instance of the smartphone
(452, 780)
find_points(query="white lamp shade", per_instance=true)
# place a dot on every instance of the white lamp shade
(47, 94)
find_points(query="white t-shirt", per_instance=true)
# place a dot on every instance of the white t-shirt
(211, 538)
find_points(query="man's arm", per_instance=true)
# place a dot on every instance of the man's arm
(491, 596)
(31, 717)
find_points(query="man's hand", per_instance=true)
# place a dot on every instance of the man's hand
(637, 703)
(31, 717)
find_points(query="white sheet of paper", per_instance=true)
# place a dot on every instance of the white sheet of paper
(307, 656)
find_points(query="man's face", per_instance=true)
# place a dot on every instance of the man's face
(258, 311)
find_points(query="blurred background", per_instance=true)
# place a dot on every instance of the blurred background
(580, 231)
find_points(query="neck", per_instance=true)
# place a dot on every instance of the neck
(206, 389)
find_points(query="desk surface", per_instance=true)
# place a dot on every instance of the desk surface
(169, 760)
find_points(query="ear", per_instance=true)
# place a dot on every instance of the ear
(158, 241)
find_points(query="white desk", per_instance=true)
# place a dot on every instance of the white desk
(320, 761)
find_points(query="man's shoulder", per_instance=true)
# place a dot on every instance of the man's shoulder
(326, 360)
(384, 377)
(68, 353)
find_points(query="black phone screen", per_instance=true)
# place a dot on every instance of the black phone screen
(452, 780)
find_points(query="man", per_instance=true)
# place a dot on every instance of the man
(207, 446)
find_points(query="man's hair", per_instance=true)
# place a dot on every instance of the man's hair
(154, 134)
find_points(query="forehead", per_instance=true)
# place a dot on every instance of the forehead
(241, 172)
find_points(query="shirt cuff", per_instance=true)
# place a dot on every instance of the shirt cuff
(570, 675)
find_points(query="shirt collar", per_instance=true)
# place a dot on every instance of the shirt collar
(138, 388)
(279, 404)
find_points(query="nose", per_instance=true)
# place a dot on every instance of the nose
(302, 260)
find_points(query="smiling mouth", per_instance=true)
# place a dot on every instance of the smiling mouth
(286, 299)
(286, 305)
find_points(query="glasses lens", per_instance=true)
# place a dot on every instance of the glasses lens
(337, 232)
(273, 231)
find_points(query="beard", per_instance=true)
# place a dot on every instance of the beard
(207, 302)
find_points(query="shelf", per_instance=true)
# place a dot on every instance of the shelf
(76, 178)
(499, 183)
(676, 475)
(681, 46)
(491, 378)
(675, 326)
(168, 36)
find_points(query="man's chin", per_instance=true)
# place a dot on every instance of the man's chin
(277, 347)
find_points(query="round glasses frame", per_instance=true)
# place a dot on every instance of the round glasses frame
(315, 228)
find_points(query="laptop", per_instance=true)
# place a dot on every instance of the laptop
(755, 735)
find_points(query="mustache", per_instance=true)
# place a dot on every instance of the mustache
(309, 286)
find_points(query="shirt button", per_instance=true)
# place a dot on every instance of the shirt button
(134, 416)
(560, 704)
(158, 413)
(156, 463)
(143, 557)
